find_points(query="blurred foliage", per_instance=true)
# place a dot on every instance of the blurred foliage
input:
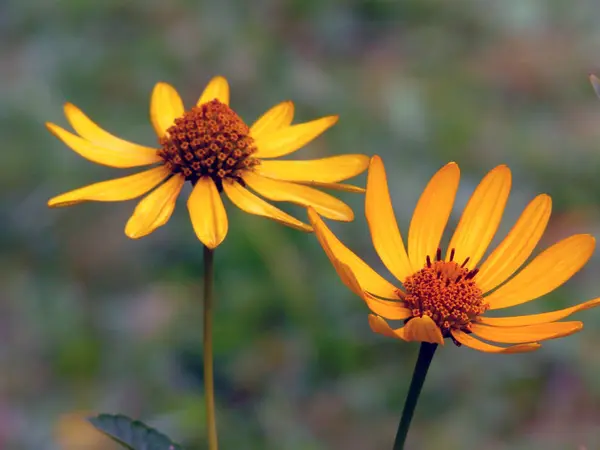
(93, 321)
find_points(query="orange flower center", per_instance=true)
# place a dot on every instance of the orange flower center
(446, 292)
(209, 141)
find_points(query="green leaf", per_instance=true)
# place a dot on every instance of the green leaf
(132, 434)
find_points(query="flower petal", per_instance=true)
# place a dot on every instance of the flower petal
(546, 272)
(217, 88)
(155, 209)
(481, 217)
(207, 212)
(106, 156)
(380, 326)
(250, 203)
(88, 130)
(118, 189)
(431, 214)
(325, 170)
(279, 116)
(422, 329)
(514, 250)
(325, 204)
(470, 341)
(289, 139)
(369, 280)
(533, 319)
(165, 107)
(529, 333)
(382, 223)
(343, 187)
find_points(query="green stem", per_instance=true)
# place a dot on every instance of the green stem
(209, 388)
(426, 353)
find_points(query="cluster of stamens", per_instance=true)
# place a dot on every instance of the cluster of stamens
(446, 292)
(208, 140)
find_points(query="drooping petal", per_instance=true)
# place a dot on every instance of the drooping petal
(118, 189)
(325, 170)
(382, 222)
(529, 333)
(546, 272)
(470, 341)
(514, 250)
(289, 139)
(279, 116)
(87, 129)
(250, 203)
(431, 214)
(120, 158)
(284, 191)
(392, 310)
(155, 209)
(343, 187)
(217, 88)
(481, 217)
(165, 107)
(533, 319)
(422, 329)
(380, 326)
(207, 212)
(369, 280)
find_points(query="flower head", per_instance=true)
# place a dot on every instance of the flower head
(448, 296)
(211, 147)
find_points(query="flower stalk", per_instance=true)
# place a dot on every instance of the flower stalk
(209, 388)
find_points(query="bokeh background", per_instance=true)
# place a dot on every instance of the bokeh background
(91, 321)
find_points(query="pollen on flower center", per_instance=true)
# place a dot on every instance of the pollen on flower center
(446, 292)
(209, 141)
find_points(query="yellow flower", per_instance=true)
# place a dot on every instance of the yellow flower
(211, 147)
(448, 297)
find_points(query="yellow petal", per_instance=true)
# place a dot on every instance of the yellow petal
(88, 130)
(115, 190)
(382, 223)
(325, 204)
(481, 217)
(431, 215)
(533, 319)
(392, 310)
(343, 187)
(380, 326)
(155, 209)
(108, 157)
(514, 250)
(217, 88)
(279, 116)
(325, 170)
(207, 212)
(546, 272)
(422, 329)
(289, 139)
(250, 203)
(470, 341)
(368, 279)
(529, 333)
(165, 107)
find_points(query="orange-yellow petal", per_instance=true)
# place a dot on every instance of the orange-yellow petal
(207, 212)
(392, 310)
(325, 170)
(289, 139)
(155, 209)
(118, 189)
(382, 222)
(533, 319)
(431, 214)
(250, 203)
(120, 158)
(279, 116)
(470, 341)
(368, 279)
(422, 329)
(481, 217)
(380, 326)
(343, 187)
(217, 88)
(514, 250)
(284, 191)
(88, 130)
(529, 333)
(165, 107)
(546, 272)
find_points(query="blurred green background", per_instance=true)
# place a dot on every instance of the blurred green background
(92, 321)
